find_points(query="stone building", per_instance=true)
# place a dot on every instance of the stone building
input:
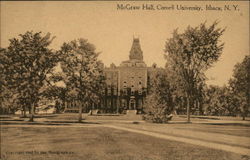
(127, 84)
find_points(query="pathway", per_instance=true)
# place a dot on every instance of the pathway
(224, 147)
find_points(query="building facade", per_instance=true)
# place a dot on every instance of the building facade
(126, 85)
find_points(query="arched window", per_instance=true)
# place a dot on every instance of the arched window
(140, 91)
(125, 91)
(124, 84)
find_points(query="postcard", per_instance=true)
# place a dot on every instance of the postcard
(124, 80)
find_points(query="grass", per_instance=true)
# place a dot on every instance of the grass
(74, 116)
(237, 129)
(216, 117)
(228, 129)
(94, 143)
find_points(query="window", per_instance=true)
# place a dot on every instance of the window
(124, 84)
(109, 91)
(124, 91)
(132, 90)
(115, 91)
(140, 91)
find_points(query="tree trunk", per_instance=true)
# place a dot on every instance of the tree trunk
(201, 108)
(65, 106)
(80, 113)
(188, 108)
(243, 114)
(117, 105)
(243, 117)
(32, 113)
(24, 112)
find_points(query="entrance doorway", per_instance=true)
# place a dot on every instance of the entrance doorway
(132, 104)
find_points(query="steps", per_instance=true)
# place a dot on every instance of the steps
(131, 112)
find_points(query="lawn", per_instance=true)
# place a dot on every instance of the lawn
(227, 129)
(94, 143)
(235, 129)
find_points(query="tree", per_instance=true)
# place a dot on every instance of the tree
(190, 53)
(220, 101)
(57, 93)
(6, 93)
(240, 83)
(159, 102)
(82, 71)
(8, 101)
(26, 66)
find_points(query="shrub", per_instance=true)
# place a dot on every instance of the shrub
(156, 110)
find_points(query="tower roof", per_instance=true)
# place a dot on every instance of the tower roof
(136, 52)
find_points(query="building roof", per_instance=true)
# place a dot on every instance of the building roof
(136, 52)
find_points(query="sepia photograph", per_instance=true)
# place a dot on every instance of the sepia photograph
(124, 80)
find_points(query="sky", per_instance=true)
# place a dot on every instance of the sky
(112, 30)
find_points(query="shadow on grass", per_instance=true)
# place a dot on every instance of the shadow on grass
(71, 122)
(115, 115)
(201, 117)
(4, 117)
(183, 122)
(45, 116)
(53, 123)
(11, 120)
(229, 124)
